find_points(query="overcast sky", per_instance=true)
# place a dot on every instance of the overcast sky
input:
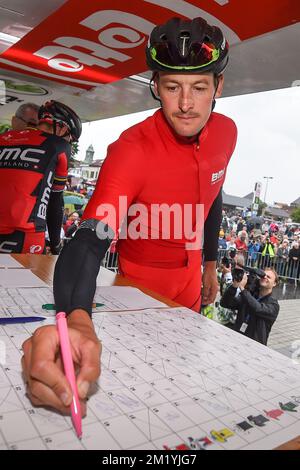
(268, 142)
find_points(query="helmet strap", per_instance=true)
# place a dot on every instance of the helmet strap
(151, 88)
(217, 85)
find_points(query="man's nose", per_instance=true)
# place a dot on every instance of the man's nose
(186, 101)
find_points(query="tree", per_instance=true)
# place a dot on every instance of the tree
(261, 207)
(4, 128)
(295, 215)
(75, 149)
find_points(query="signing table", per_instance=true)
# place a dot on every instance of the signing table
(171, 379)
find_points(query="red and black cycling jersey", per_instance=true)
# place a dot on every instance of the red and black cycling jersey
(32, 164)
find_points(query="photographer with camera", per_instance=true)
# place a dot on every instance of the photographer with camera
(226, 316)
(251, 296)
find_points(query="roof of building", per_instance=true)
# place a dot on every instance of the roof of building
(296, 202)
(276, 212)
(249, 196)
(97, 163)
(236, 201)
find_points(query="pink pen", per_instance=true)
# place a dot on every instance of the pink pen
(69, 370)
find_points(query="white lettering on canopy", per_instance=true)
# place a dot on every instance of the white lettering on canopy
(109, 40)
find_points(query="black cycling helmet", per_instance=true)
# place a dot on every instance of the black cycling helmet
(59, 113)
(187, 46)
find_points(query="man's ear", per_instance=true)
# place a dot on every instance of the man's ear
(14, 123)
(156, 86)
(220, 86)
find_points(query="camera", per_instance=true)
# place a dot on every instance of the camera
(226, 262)
(254, 276)
(229, 261)
(237, 274)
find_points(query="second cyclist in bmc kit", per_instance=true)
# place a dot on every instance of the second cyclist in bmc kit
(33, 173)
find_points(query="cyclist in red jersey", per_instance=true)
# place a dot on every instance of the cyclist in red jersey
(176, 158)
(33, 173)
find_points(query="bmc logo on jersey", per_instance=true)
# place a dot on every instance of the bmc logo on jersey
(216, 177)
(35, 249)
(7, 246)
(42, 210)
(14, 155)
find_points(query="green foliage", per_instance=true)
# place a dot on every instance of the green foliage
(295, 215)
(261, 206)
(75, 149)
(4, 128)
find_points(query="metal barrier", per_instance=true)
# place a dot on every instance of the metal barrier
(285, 268)
(110, 261)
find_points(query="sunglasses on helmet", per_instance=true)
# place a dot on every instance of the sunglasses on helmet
(200, 55)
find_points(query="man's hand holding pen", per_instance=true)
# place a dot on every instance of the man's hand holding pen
(43, 368)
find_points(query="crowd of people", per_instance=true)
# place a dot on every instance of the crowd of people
(263, 244)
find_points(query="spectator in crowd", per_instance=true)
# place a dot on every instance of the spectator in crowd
(289, 232)
(231, 243)
(296, 237)
(267, 252)
(256, 313)
(225, 221)
(274, 238)
(240, 225)
(72, 225)
(282, 258)
(257, 231)
(282, 229)
(265, 227)
(273, 227)
(66, 215)
(253, 250)
(26, 116)
(72, 219)
(90, 193)
(240, 242)
(244, 233)
(294, 260)
(234, 225)
(225, 316)
(230, 235)
(224, 269)
(222, 242)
